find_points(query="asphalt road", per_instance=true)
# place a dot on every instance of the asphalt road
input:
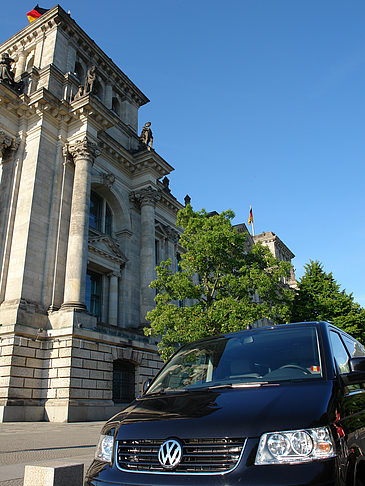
(23, 443)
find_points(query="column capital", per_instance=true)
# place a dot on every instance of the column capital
(81, 149)
(8, 145)
(146, 196)
(114, 274)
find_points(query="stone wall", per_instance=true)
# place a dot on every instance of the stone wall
(65, 378)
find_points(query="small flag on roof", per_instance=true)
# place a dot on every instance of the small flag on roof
(36, 13)
(250, 218)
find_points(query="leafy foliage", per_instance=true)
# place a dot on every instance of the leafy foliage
(221, 286)
(319, 298)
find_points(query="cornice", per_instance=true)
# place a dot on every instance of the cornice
(146, 160)
(30, 34)
(170, 202)
(41, 102)
(137, 163)
(271, 237)
(57, 17)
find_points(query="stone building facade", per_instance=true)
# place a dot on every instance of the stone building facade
(86, 213)
(83, 218)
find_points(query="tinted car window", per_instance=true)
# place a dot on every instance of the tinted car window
(268, 355)
(356, 349)
(340, 354)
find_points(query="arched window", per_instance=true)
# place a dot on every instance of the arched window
(123, 381)
(100, 215)
(98, 89)
(79, 72)
(116, 105)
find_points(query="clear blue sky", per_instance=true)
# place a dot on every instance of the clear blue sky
(253, 102)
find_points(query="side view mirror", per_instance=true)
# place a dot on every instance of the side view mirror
(145, 385)
(357, 373)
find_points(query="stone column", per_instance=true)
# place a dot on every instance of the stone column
(20, 65)
(83, 153)
(8, 197)
(147, 198)
(113, 298)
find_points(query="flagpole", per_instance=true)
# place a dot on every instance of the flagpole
(253, 229)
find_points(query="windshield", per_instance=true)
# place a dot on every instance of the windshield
(246, 358)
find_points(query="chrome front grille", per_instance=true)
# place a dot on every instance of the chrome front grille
(199, 456)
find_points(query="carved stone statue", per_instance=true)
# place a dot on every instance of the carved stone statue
(90, 80)
(187, 199)
(146, 135)
(6, 73)
(80, 93)
(166, 184)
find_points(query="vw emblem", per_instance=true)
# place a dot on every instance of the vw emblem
(169, 454)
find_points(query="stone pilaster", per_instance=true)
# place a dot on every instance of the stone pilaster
(83, 153)
(147, 199)
(113, 298)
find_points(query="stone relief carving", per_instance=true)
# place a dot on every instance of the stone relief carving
(81, 149)
(108, 179)
(147, 195)
(107, 247)
(146, 136)
(6, 73)
(172, 234)
(7, 144)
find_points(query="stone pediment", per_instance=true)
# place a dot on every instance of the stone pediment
(107, 247)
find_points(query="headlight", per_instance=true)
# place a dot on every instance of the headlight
(104, 449)
(293, 446)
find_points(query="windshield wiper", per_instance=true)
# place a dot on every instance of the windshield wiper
(165, 391)
(239, 385)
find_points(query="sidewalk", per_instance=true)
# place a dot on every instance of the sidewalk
(23, 443)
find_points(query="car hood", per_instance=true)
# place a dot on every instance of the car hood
(237, 412)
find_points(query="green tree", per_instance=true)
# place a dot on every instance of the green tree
(221, 286)
(319, 298)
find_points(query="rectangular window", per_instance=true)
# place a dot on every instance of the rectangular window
(157, 252)
(123, 381)
(93, 293)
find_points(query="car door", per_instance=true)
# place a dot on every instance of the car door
(350, 413)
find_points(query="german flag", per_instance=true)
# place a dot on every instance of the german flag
(36, 13)
(250, 218)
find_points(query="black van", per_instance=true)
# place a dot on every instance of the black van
(276, 406)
